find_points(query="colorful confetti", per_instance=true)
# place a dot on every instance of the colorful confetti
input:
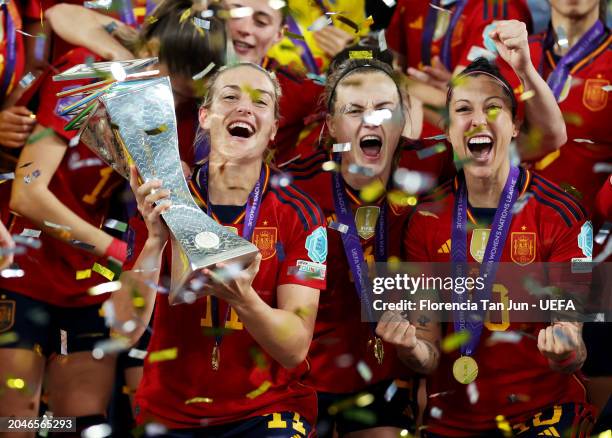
(603, 233)
(259, 391)
(103, 271)
(201, 24)
(364, 371)
(390, 391)
(115, 224)
(199, 400)
(360, 170)
(320, 23)
(454, 341)
(330, 166)
(157, 131)
(602, 168)
(526, 95)
(341, 147)
(377, 117)
(342, 228)
(360, 54)
(372, 191)
(431, 151)
(163, 355)
(104, 288)
(26, 80)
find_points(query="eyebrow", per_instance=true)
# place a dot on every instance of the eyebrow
(488, 98)
(386, 102)
(237, 88)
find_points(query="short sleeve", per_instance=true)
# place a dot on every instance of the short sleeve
(305, 253)
(51, 106)
(415, 238)
(394, 32)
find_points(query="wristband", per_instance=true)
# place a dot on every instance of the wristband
(117, 250)
(565, 362)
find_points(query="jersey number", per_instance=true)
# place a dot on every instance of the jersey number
(232, 323)
(92, 197)
(505, 314)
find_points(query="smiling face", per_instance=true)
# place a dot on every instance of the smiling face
(367, 113)
(481, 125)
(241, 116)
(253, 35)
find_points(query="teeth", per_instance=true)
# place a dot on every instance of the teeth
(479, 140)
(370, 137)
(241, 125)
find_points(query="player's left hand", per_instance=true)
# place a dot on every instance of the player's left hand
(332, 40)
(232, 288)
(559, 340)
(6, 242)
(397, 330)
(510, 38)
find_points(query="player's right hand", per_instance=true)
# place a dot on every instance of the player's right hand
(397, 330)
(147, 195)
(16, 124)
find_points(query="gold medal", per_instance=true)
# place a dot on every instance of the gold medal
(214, 358)
(379, 350)
(465, 370)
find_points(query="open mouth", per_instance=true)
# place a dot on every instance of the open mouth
(241, 46)
(241, 129)
(371, 145)
(480, 146)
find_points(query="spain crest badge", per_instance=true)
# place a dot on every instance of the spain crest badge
(7, 315)
(594, 97)
(523, 247)
(264, 239)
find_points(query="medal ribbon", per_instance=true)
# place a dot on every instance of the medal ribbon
(500, 227)
(307, 56)
(126, 13)
(352, 244)
(11, 52)
(250, 220)
(445, 54)
(587, 43)
(430, 28)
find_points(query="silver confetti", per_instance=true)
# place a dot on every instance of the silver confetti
(602, 168)
(137, 354)
(360, 170)
(27, 232)
(364, 371)
(339, 227)
(603, 233)
(26, 80)
(204, 24)
(12, 273)
(204, 72)
(320, 23)
(413, 182)
(378, 117)
(473, 394)
(562, 40)
(583, 140)
(341, 147)
(390, 391)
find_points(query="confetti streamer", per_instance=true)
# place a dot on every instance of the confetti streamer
(341, 147)
(104, 288)
(114, 224)
(319, 79)
(342, 228)
(584, 140)
(103, 271)
(39, 46)
(204, 72)
(259, 391)
(320, 23)
(293, 36)
(360, 54)
(163, 355)
(431, 151)
(157, 131)
(57, 226)
(454, 341)
(436, 137)
(441, 394)
(372, 191)
(198, 400)
(364, 371)
(7, 176)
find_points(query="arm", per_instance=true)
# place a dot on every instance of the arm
(541, 110)
(89, 33)
(562, 344)
(36, 202)
(6, 243)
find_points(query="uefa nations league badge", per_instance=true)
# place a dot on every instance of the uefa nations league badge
(585, 239)
(316, 244)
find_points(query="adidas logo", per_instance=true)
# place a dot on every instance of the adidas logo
(551, 431)
(445, 248)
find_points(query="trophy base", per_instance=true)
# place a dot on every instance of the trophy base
(183, 274)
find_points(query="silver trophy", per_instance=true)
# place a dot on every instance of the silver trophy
(134, 122)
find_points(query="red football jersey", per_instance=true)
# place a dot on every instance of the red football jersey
(186, 392)
(300, 98)
(84, 184)
(410, 25)
(588, 110)
(514, 379)
(341, 339)
(13, 73)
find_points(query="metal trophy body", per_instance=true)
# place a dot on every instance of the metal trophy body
(135, 122)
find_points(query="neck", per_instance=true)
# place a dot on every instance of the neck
(575, 27)
(358, 181)
(485, 192)
(230, 183)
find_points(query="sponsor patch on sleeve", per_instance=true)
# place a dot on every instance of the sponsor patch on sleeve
(311, 270)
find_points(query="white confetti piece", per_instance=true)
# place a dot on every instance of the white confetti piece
(12, 273)
(603, 233)
(602, 168)
(382, 41)
(583, 140)
(377, 117)
(204, 24)
(389, 3)
(436, 412)
(562, 40)
(436, 137)
(320, 23)
(413, 182)
(63, 342)
(390, 391)
(27, 232)
(473, 394)
(341, 147)
(7, 176)
(364, 371)
(104, 288)
(431, 151)
(118, 71)
(31, 242)
(26, 80)
(607, 88)
(342, 228)
(98, 431)
(277, 4)
(439, 8)
(115, 224)
(281, 180)
(137, 354)
(360, 170)
(510, 337)
(330, 166)
(521, 203)
(241, 12)
(480, 52)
